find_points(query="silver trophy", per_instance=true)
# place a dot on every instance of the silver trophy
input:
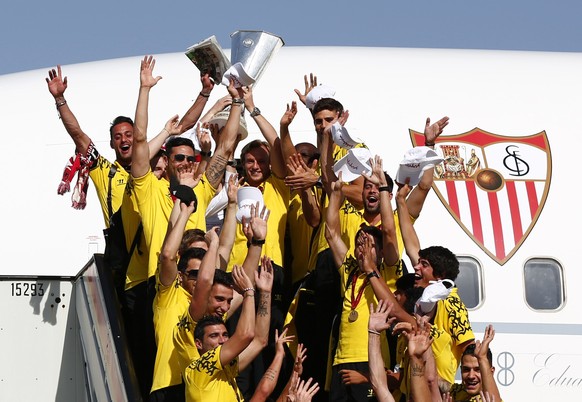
(250, 53)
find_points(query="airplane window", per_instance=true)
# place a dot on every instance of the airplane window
(544, 285)
(470, 282)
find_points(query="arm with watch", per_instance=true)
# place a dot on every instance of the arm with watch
(278, 165)
(390, 252)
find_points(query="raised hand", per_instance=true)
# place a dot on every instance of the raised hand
(203, 135)
(232, 188)
(207, 83)
(419, 339)
(379, 320)
(337, 185)
(289, 114)
(306, 391)
(240, 278)
(377, 175)
(188, 209)
(432, 131)
(481, 347)
(368, 258)
(281, 340)
(57, 85)
(172, 127)
(187, 174)
(309, 85)
(211, 235)
(300, 357)
(146, 78)
(302, 176)
(264, 278)
(256, 226)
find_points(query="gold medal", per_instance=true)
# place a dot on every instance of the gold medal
(353, 316)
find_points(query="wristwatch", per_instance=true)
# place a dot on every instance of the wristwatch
(372, 274)
(256, 111)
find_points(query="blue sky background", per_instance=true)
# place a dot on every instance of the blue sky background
(35, 34)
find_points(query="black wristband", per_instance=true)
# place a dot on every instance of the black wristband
(384, 188)
(372, 274)
(257, 242)
(209, 153)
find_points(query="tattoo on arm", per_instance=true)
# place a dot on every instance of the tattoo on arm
(215, 170)
(271, 374)
(417, 370)
(264, 304)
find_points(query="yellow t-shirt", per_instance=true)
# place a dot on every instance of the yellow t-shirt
(155, 205)
(122, 197)
(276, 198)
(300, 235)
(184, 343)
(452, 318)
(169, 305)
(99, 174)
(353, 336)
(207, 380)
(137, 270)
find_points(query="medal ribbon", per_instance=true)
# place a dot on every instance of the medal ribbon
(356, 300)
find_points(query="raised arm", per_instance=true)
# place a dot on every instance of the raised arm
(255, 230)
(368, 263)
(227, 139)
(300, 356)
(309, 204)
(309, 85)
(417, 197)
(205, 279)
(419, 342)
(353, 191)
(193, 113)
(57, 85)
(378, 322)
(245, 328)
(228, 230)
(264, 283)
(169, 253)
(269, 380)
(170, 128)
(332, 224)
(487, 377)
(140, 160)
(409, 236)
(278, 165)
(287, 147)
(389, 240)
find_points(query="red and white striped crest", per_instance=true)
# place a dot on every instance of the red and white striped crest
(494, 186)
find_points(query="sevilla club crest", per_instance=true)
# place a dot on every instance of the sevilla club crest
(494, 186)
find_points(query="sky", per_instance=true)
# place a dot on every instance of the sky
(40, 34)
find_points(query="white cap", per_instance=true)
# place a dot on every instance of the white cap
(342, 138)
(415, 162)
(239, 75)
(317, 93)
(354, 164)
(435, 291)
(248, 196)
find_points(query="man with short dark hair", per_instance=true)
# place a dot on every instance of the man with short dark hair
(477, 371)
(212, 376)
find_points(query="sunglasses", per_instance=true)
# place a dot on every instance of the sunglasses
(190, 158)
